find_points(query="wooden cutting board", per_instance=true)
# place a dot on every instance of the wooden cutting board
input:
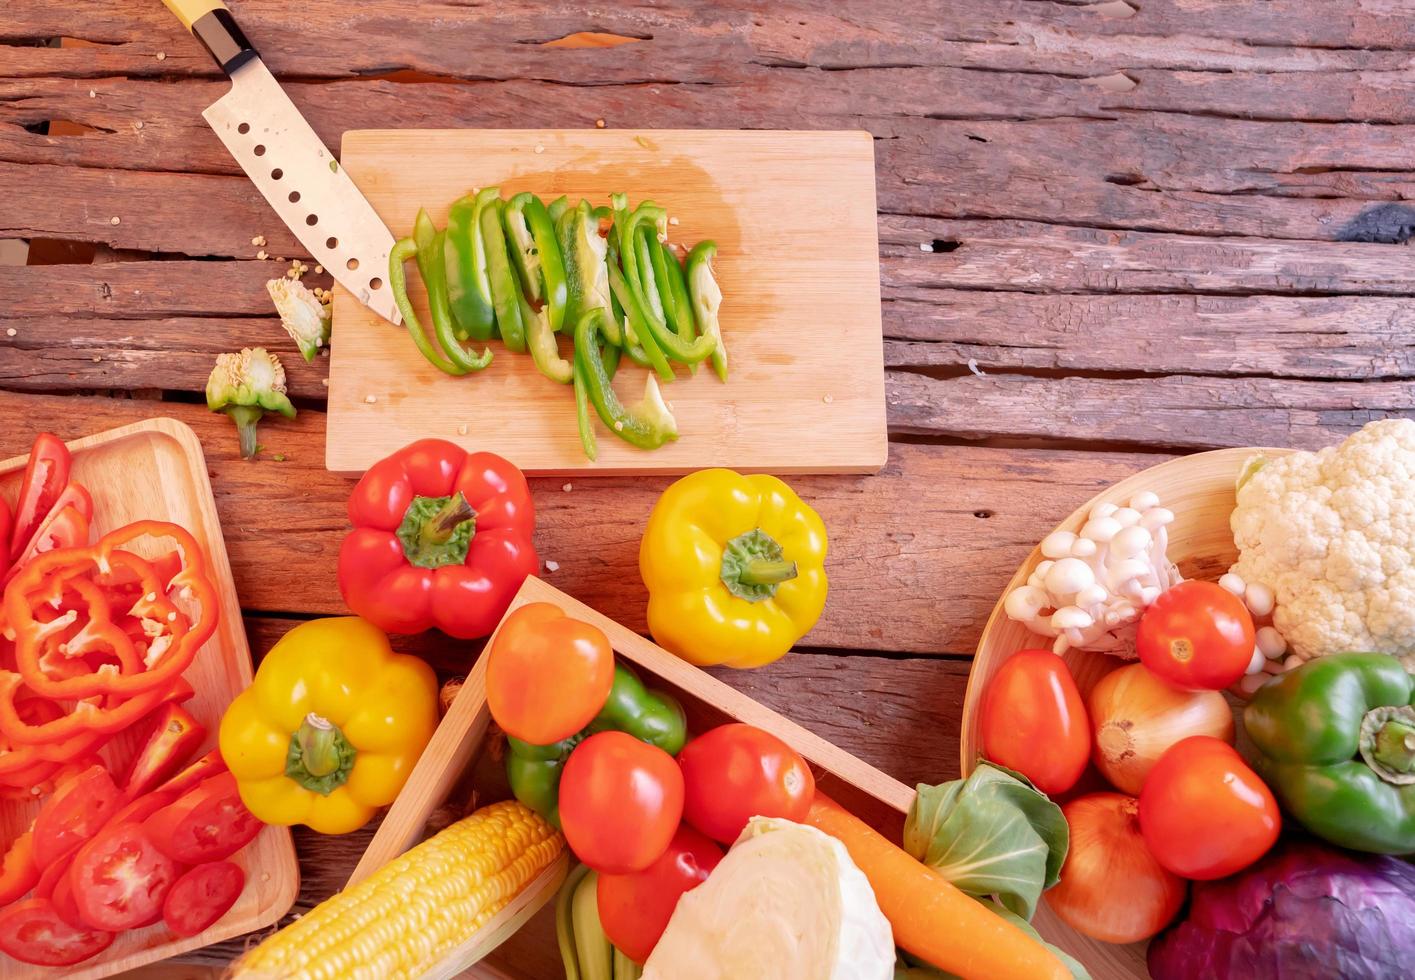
(793, 215)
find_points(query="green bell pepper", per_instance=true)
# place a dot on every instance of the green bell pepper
(1336, 742)
(649, 424)
(468, 286)
(537, 255)
(403, 250)
(707, 299)
(541, 340)
(650, 716)
(431, 246)
(504, 287)
(586, 273)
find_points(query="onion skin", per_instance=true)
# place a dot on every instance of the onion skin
(1136, 717)
(1111, 887)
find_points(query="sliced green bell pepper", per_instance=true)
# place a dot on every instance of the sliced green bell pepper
(468, 287)
(403, 250)
(1336, 742)
(649, 424)
(541, 340)
(504, 287)
(537, 255)
(558, 207)
(707, 299)
(431, 245)
(650, 716)
(586, 273)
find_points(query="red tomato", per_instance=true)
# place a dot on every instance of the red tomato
(32, 933)
(634, 909)
(547, 675)
(1197, 636)
(143, 807)
(120, 878)
(207, 823)
(1034, 721)
(620, 802)
(201, 896)
(62, 899)
(46, 475)
(1204, 814)
(735, 772)
(76, 811)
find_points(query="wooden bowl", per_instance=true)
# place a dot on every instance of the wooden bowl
(461, 755)
(1199, 489)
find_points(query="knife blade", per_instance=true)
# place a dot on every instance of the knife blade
(293, 170)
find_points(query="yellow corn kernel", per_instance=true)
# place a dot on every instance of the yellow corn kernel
(404, 917)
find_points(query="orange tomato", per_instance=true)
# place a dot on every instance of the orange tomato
(1197, 636)
(1033, 721)
(547, 675)
(1203, 813)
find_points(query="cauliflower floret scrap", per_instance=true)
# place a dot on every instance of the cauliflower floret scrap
(1332, 533)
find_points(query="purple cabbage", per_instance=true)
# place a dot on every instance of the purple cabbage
(1304, 911)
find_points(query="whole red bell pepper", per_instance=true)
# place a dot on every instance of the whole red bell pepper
(441, 538)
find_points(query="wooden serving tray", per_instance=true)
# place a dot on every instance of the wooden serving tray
(1200, 491)
(459, 740)
(793, 215)
(155, 470)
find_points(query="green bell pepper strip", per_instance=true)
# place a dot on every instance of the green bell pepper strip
(537, 255)
(468, 287)
(649, 424)
(650, 716)
(558, 207)
(682, 306)
(707, 299)
(639, 341)
(431, 244)
(645, 249)
(584, 252)
(660, 259)
(582, 412)
(651, 330)
(504, 287)
(541, 340)
(1336, 742)
(403, 250)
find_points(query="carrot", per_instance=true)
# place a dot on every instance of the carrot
(931, 918)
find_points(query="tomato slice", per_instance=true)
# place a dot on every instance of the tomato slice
(19, 872)
(202, 896)
(174, 737)
(63, 900)
(143, 807)
(207, 824)
(76, 811)
(46, 475)
(49, 877)
(31, 932)
(120, 878)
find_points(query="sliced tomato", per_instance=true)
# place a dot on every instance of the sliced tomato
(79, 807)
(62, 899)
(208, 823)
(120, 878)
(204, 768)
(174, 737)
(143, 807)
(20, 871)
(31, 932)
(202, 896)
(50, 876)
(45, 478)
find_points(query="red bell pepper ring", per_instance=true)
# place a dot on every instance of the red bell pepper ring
(7, 523)
(45, 478)
(441, 538)
(20, 871)
(86, 719)
(175, 638)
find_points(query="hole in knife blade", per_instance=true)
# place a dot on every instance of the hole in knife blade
(294, 197)
(276, 174)
(331, 242)
(244, 128)
(311, 219)
(352, 264)
(375, 283)
(260, 149)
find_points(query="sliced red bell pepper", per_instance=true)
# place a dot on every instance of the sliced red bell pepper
(65, 526)
(45, 478)
(441, 538)
(175, 735)
(19, 872)
(204, 768)
(7, 522)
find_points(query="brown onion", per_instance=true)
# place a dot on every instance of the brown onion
(1111, 887)
(1135, 717)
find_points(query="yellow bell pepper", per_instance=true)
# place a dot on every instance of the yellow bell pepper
(331, 726)
(734, 567)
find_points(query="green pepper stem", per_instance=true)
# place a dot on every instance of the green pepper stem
(761, 571)
(754, 565)
(245, 417)
(448, 518)
(320, 758)
(316, 737)
(437, 531)
(1395, 746)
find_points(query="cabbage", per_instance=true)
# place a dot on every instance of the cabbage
(1305, 912)
(786, 902)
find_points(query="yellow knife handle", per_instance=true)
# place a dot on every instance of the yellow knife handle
(212, 24)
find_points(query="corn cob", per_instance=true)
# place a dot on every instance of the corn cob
(402, 919)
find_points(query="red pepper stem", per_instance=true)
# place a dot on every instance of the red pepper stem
(443, 524)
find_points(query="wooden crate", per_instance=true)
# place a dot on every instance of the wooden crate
(155, 470)
(456, 750)
(1200, 491)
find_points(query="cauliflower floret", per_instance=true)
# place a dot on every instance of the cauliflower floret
(1332, 533)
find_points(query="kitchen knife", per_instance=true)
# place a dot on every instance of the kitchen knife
(286, 160)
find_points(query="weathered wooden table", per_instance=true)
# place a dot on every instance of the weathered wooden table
(1109, 233)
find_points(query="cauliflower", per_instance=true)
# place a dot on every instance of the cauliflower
(1332, 534)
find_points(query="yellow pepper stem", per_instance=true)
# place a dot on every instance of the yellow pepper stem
(320, 758)
(753, 565)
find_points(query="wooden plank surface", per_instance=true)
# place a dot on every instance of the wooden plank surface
(1155, 226)
(780, 297)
